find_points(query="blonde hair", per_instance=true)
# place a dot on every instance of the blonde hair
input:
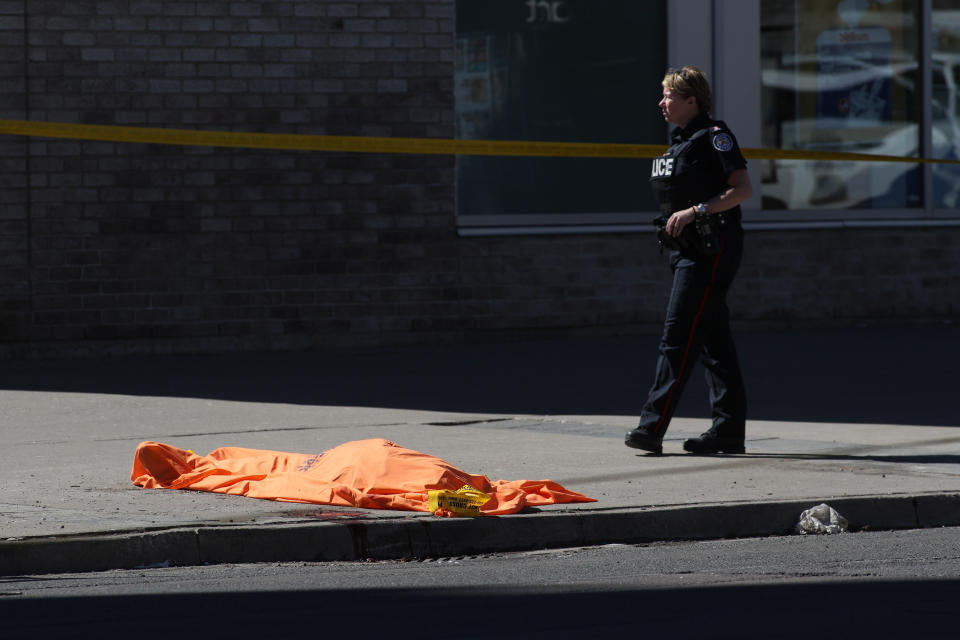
(690, 81)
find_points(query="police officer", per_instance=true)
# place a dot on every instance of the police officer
(699, 184)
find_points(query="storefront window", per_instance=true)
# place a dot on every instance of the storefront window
(841, 76)
(558, 70)
(946, 101)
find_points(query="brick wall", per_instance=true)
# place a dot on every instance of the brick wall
(787, 278)
(214, 248)
(14, 218)
(131, 247)
(850, 276)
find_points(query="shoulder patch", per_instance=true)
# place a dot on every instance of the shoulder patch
(722, 142)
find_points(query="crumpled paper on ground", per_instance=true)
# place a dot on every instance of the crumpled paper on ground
(821, 519)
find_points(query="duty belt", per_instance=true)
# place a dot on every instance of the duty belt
(706, 238)
(725, 217)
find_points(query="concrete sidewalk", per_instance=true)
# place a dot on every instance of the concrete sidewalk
(859, 419)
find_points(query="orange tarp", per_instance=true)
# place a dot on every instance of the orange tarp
(375, 474)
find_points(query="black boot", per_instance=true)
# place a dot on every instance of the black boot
(640, 438)
(710, 442)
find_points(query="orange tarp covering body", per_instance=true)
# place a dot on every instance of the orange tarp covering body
(375, 474)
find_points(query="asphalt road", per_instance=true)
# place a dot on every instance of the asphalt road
(874, 584)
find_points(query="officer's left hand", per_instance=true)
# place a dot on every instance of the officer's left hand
(679, 220)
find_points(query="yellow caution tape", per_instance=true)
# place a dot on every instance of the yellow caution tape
(465, 501)
(298, 142)
(796, 154)
(362, 144)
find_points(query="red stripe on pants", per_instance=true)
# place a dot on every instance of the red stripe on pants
(693, 331)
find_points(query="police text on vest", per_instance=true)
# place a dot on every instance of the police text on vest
(662, 167)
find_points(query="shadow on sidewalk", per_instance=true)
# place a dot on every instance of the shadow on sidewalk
(887, 376)
(807, 457)
(904, 459)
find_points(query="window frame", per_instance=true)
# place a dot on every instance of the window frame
(697, 31)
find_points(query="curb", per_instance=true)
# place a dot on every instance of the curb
(420, 537)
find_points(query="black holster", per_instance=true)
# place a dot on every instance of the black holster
(666, 240)
(708, 233)
(704, 238)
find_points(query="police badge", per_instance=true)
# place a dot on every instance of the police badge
(722, 142)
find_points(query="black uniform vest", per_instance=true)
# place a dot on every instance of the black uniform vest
(687, 174)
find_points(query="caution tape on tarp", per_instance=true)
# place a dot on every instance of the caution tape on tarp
(465, 501)
(363, 144)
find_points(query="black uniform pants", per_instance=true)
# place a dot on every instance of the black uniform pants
(697, 326)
